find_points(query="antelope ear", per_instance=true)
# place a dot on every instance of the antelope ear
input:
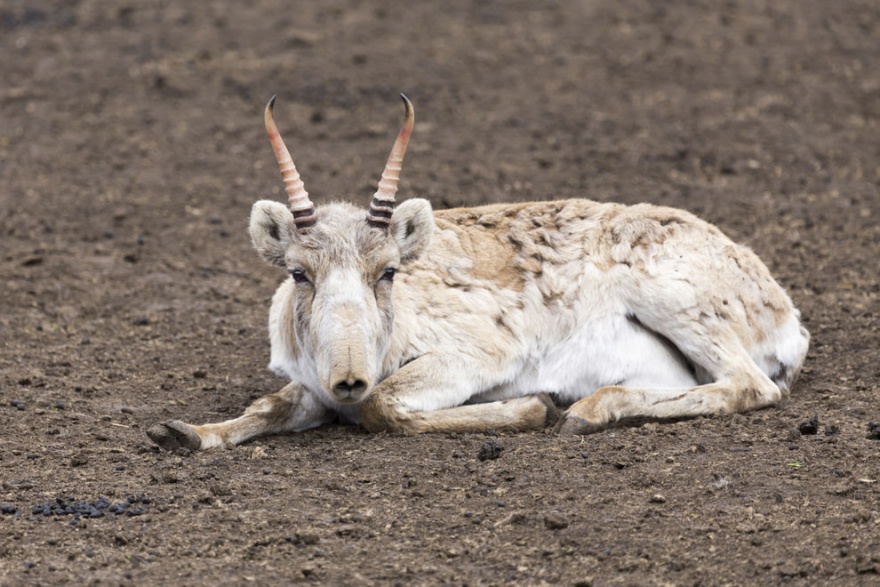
(271, 228)
(412, 225)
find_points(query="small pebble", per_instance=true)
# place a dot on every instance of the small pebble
(555, 522)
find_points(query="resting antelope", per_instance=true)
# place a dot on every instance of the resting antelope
(409, 320)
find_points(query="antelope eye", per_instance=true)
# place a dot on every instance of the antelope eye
(299, 276)
(389, 274)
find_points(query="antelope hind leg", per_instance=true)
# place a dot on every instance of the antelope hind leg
(610, 404)
(290, 410)
(737, 383)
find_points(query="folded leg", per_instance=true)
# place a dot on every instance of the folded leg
(610, 404)
(427, 395)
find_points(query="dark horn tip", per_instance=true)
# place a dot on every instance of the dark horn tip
(271, 102)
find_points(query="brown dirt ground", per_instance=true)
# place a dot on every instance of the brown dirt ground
(131, 150)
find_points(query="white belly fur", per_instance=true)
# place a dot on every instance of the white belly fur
(611, 352)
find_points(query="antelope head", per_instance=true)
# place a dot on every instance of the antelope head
(342, 261)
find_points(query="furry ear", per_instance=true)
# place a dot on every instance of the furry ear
(412, 226)
(271, 228)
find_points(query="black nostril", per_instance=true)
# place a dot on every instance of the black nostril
(350, 387)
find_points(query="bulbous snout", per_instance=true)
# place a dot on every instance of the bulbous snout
(348, 336)
(351, 389)
(349, 377)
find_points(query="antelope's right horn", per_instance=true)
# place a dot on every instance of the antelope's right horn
(297, 196)
(382, 205)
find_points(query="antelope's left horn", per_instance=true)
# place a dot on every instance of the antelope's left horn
(297, 196)
(382, 205)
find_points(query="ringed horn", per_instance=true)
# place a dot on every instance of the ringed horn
(297, 196)
(382, 205)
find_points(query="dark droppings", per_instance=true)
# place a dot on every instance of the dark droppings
(68, 506)
(809, 427)
(490, 450)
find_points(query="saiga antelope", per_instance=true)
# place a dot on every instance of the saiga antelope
(409, 320)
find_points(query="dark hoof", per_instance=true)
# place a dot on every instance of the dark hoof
(553, 413)
(570, 424)
(173, 435)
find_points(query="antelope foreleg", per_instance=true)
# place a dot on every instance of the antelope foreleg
(292, 409)
(379, 414)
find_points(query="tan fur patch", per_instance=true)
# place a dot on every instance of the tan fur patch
(507, 242)
(492, 259)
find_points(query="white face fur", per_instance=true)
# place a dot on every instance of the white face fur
(343, 271)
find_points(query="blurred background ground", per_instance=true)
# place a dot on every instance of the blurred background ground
(131, 150)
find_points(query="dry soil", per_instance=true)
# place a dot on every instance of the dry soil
(131, 150)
